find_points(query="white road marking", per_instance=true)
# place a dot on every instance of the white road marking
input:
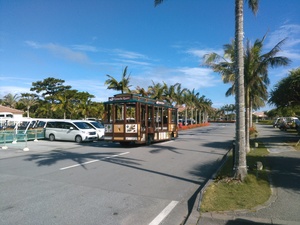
(157, 220)
(92, 161)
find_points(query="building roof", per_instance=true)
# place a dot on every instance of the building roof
(259, 114)
(11, 110)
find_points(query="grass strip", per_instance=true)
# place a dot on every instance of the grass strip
(226, 193)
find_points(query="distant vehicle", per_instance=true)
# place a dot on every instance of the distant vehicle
(287, 123)
(99, 127)
(277, 122)
(297, 125)
(189, 122)
(70, 130)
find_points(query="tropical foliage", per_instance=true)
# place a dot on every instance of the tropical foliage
(53, 99)
(287, 91)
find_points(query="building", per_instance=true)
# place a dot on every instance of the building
(17, 114)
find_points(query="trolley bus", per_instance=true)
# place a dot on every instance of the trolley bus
(130, 118)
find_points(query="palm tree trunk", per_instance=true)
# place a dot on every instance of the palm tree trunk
(251, 108)
(28, 108)
(186, 109)
(240, 160)
(247, 127)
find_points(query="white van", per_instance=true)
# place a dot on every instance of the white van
(99, 127)
(69, 130)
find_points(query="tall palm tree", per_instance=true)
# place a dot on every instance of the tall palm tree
(63, 101)
(256, 74)
(84, 103)
(179, 97)
(10, 100)
(141, 91)
(240, 162)
(122, 85)
(204, 106)
(157, 90)
(170, 93)
(28, 100)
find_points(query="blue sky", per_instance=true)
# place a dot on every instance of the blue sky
(83, 41)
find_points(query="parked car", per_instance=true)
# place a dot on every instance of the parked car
(99, 127)
(189, 122)
(70, 130)
(276, 122)
(287, 123)
(297, 125)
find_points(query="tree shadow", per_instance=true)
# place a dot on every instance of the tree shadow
(247, 222)
(285, 172)
(160, 148)
(205, 171)
(219, 144)
(48, 159)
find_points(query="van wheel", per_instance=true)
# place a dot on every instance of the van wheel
(78, 139)
(51, 137)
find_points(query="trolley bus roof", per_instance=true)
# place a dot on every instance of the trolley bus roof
(123, 98)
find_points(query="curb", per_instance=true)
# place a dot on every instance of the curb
(195, 215)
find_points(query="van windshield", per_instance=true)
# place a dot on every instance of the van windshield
(97, 124)
(82, 125)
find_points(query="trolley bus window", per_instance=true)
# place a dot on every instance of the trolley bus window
(157, 117)
(173, 116)
(108, 113)
(130, 113)
(119, 112)
(143, 117)
(150, 116)
(165, 119)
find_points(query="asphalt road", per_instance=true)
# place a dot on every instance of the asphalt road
(104, 183)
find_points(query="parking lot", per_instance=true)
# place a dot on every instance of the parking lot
(103, 183)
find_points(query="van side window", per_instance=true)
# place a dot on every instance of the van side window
(51, 124)
(67, 125)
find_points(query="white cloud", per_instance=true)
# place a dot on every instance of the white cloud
(201, 52)
(85, 48)
(60, 51)
(188, 77)
(291, 46)
(128, 54)
(13, 90)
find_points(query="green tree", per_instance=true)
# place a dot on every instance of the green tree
(28, 100)
(122, 85)
(286, 92)
(141, 91)
(10, 100)
(157, 90)
(49, 87)
(170, 94)
(85, 104)
(64, 101)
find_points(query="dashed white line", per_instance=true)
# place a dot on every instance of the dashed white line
(92, 161)
(157, 220)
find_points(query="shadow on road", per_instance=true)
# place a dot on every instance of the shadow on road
(47, 159)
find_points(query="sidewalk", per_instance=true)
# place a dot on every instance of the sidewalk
(284, 205)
